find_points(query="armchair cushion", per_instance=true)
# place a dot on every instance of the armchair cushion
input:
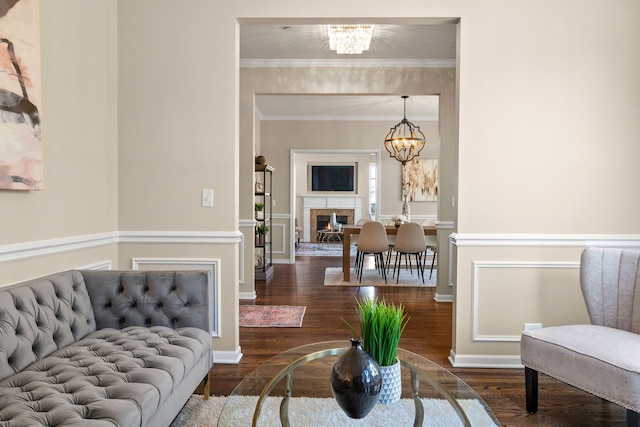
(589, 357)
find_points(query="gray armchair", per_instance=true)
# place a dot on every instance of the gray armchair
(602, 358)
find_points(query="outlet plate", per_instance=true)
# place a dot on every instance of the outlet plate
(532, 326)
(207, 198)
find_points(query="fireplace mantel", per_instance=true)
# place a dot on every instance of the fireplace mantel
(352, 201)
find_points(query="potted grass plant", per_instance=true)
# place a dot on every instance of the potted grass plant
(381, 326)
(259, 208)
(261, 231)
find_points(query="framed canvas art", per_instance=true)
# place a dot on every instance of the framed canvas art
(21, 150)
(420, 180)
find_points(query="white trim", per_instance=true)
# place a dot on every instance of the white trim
(443, 297)
(213, 268)
(484, 361)
(217, 237)
(20, 251)
(248, 295)
(475, 291)
(248, 223)
(558, 240)
(347, 118)
(227, 357)
(100, 265)
(350, 63)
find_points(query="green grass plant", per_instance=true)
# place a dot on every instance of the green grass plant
(381, 326)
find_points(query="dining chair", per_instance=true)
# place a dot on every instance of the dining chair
(431, 243)
(373, 241)
(409, 241)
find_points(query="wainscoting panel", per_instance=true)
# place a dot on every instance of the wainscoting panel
(536, 284)
(210, 265)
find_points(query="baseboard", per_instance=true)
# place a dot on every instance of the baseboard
(227, 357)
(443, 297)
(248, 295)
(484, 361)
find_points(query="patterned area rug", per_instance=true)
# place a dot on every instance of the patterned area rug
(322, 249)
(370, 277)
(271, 316)
(307, 412)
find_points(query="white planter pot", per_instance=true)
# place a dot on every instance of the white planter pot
(391, 384)
(259, 214)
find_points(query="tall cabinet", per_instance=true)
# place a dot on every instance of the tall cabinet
(264, 225)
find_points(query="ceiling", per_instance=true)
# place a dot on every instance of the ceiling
(432, 45)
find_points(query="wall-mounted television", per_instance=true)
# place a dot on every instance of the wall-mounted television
(333, 177)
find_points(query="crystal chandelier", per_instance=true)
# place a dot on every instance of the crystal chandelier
(349, 39)
(405, 140)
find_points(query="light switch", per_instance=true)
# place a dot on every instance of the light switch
(207, 198)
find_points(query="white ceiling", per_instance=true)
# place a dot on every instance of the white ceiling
(308, 45)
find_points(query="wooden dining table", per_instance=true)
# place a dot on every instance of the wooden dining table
(348, 230)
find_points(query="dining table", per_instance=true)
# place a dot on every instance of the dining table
(348, 230)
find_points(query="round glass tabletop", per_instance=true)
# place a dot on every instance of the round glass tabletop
(296, 384)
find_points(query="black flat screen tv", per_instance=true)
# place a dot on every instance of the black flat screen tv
(333, 178)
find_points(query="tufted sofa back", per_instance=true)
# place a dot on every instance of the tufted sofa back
(41, 316)
(159, 298)
(610, 282)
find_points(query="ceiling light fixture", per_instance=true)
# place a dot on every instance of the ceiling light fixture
(351, 39)
(405, 140)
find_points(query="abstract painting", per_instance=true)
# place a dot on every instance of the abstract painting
(21, 150)
(420, 180)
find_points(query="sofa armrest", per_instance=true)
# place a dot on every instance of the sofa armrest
(150, 298)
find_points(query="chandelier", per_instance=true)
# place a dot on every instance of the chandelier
(350, 39)
(405, 140)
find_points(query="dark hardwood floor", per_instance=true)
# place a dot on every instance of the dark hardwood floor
(428, 334)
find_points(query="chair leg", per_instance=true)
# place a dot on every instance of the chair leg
(419, 266)
(633, 420)
(432, 263)
(384, 270)
(531, 389)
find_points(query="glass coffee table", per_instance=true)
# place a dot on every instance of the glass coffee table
(295, 385)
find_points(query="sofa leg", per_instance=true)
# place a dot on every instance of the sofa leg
(531, 389)
(632, 418)
(207, 385)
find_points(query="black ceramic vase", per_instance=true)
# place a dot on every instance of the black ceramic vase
(356, 381)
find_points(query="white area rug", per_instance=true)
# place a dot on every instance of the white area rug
(370, 277)
(308, 412)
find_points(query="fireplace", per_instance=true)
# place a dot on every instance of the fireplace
(319, 219)
(322, 221)
(312, 206)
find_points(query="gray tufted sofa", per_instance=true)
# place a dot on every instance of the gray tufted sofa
(103, 348)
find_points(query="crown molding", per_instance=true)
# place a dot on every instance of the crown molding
(348, 63)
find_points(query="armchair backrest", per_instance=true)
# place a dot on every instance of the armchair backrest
(610, 283)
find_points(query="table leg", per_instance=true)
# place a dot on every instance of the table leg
(284, 405)
(346, 255)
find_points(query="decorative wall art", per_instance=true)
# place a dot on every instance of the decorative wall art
(21, 149)
(420, 180)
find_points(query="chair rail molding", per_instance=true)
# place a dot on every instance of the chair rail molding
(560, 240)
